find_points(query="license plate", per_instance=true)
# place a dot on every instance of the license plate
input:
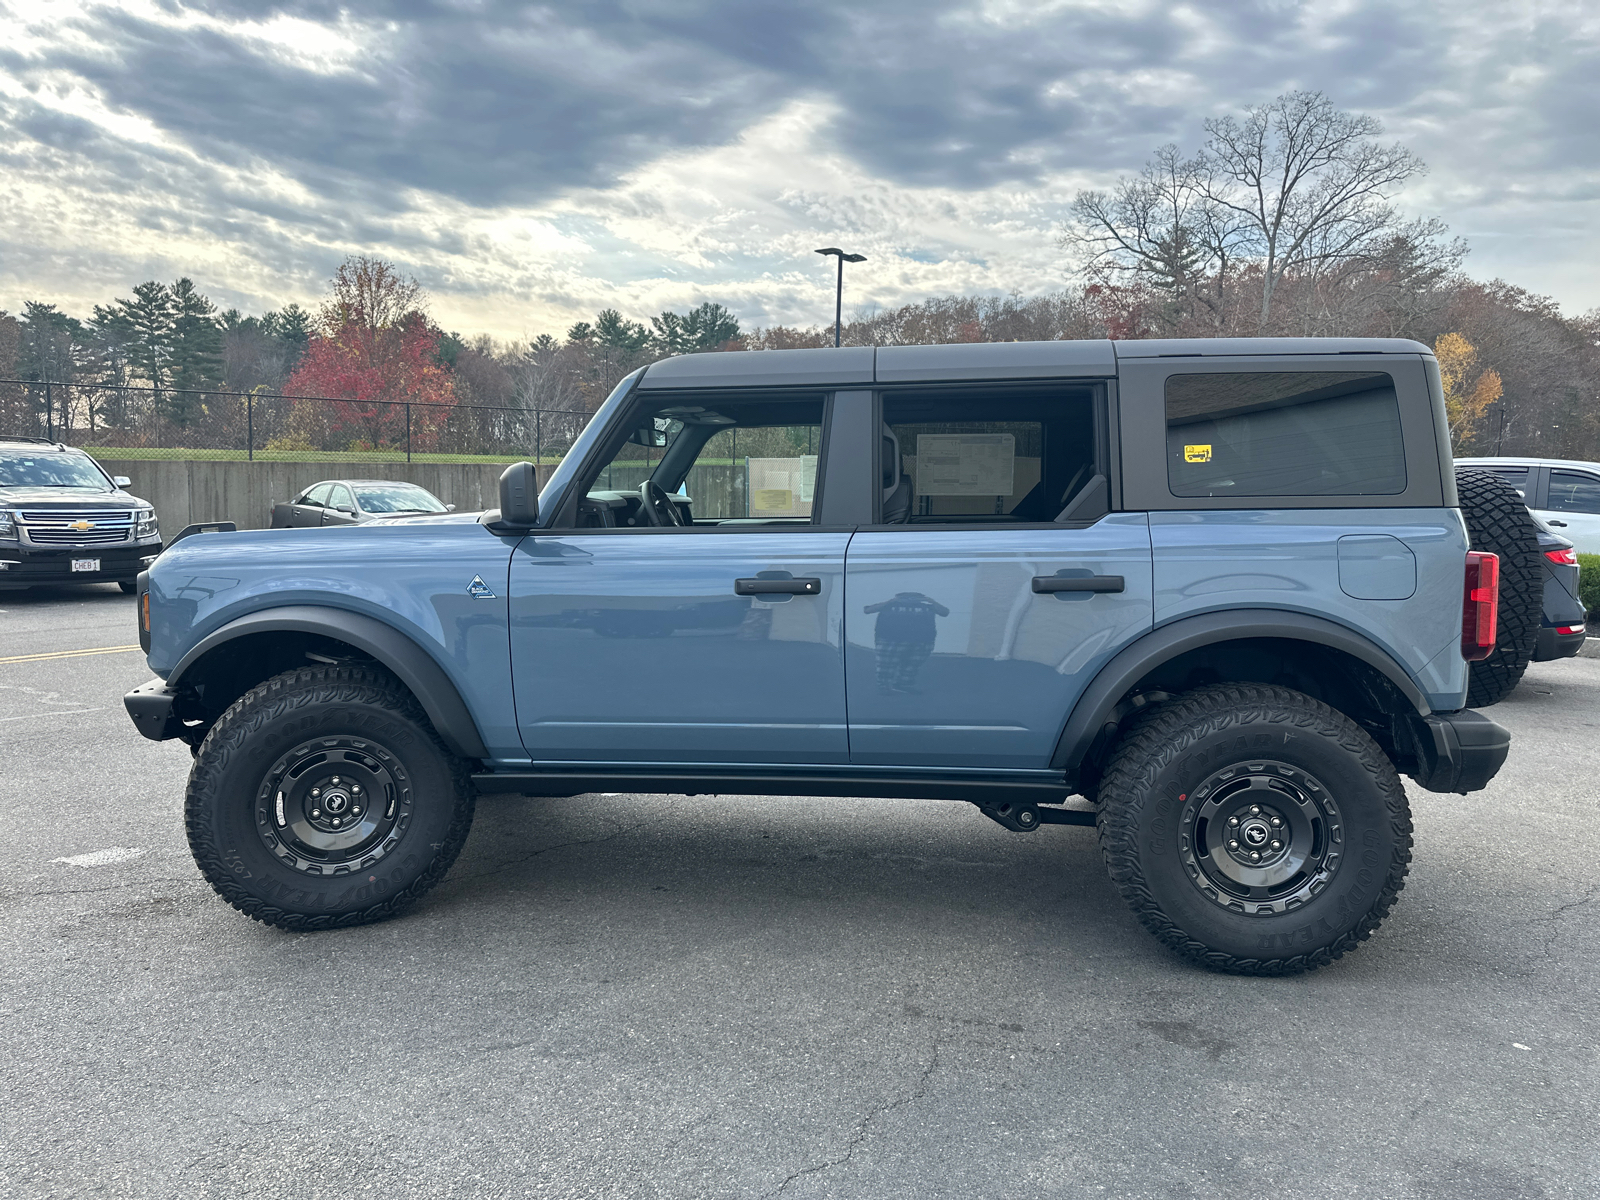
(86, 564)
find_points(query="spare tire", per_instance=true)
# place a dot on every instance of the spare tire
(1498, 522)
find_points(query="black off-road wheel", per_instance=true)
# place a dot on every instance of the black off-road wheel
(1498, 522)
(1254, 830)
(323, 798)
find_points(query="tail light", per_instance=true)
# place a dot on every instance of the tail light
(1480, 606)
(1570, 628)
(1565, 558)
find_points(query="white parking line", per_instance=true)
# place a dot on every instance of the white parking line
(102, 858)
(71, 712)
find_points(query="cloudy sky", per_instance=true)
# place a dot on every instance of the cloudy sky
(534, 163)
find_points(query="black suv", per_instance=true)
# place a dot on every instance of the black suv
(64, 520)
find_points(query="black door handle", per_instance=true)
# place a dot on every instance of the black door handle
(1557, 524)
(777, 587)
(1045, 584)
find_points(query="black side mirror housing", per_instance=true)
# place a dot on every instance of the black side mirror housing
(519, 500)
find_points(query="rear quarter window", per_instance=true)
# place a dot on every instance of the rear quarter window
(1284, 433)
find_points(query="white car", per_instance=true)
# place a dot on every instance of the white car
(1562, 493)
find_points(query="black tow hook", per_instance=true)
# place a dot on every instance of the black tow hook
(1020, 817)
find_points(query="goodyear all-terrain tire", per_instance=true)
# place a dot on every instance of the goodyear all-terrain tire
(323, 798)
(1498, 522)
(1233, 770)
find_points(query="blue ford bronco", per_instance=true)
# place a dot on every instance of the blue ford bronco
(1210, 597)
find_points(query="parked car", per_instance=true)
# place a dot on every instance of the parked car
(1563, 493)
(1220, 590)
(1562, 628)
(64, 520)
(354, 501)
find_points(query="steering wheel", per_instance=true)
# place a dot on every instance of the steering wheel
(658, 507)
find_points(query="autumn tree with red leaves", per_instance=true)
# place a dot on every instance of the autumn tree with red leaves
(376, 347)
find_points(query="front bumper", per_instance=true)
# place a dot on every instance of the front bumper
(1461, 751)
(153, 707)
(24, 565)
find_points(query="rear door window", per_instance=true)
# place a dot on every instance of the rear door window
(1284, 433)
(1573, 491)
(317, 497)
(984, 456)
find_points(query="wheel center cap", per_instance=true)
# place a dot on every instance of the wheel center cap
(335, 801)
(1254, 833)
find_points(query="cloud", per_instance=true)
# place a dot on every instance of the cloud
(533, 163)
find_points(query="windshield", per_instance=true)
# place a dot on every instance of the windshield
(50, 471)
(396, 498)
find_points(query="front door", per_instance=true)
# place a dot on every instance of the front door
(997, 584)
(638, 639)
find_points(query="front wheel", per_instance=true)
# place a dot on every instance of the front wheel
(323, 798)
(1255, 830)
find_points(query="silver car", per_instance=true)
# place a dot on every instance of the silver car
(355, 501)
(1561, 492)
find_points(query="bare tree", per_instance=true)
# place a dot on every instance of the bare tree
(1307, 182)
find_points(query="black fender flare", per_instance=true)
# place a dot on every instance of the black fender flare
(411, 664)
(1099, 700)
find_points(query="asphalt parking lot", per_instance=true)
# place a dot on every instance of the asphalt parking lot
(640, 996)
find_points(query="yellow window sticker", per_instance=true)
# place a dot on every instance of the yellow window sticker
(771, 500)
(1192, 454)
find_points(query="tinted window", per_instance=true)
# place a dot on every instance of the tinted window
(1284, 433)
(51, 471)
(1574, 491)
(984, 455)
(317, 497)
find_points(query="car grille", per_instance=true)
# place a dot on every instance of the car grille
(53, 526)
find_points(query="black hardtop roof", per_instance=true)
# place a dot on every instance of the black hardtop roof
(867, 365)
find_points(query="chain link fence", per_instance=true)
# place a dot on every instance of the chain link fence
(125, 421)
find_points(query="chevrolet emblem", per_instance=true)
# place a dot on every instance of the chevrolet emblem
(81, 526)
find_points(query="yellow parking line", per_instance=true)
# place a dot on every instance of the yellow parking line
(68, 654)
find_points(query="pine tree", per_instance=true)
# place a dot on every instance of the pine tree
(195, 362)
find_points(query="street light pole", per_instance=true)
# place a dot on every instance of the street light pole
(838, 295)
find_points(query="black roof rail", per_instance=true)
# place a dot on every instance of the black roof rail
(22, 437)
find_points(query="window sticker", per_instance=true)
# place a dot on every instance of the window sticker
(782, 487)
(1197, 453)
(966, 464)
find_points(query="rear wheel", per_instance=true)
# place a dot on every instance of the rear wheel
(1498, 522)
(324, 798)
(1254, 830)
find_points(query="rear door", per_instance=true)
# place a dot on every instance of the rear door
(995, 583)
(1572, 507)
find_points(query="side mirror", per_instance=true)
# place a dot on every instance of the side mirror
(121, 481)
(346, 510)
(449, 508)
(519, 499)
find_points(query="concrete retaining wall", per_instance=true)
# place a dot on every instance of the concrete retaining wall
(184, 492)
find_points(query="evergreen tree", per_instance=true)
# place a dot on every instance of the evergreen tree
(144, 327)
(195, 357)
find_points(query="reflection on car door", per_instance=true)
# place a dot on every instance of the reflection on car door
(952, 657)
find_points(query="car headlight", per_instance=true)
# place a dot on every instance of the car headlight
(8, 524)
(146, 526)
